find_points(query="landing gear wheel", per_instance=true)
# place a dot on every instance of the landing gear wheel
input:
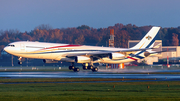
(95, 69)
(76, 69)
(90, 67)
(20, 62)
(85, 67)
(71, 67)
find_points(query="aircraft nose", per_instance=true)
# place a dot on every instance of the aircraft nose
(6, 49)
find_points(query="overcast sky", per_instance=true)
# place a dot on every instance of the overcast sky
(25, 15)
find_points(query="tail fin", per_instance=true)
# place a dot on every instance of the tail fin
(148, 39)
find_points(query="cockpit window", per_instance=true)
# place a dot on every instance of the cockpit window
(11, 45)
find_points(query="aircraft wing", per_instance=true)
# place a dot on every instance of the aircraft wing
(101, 53)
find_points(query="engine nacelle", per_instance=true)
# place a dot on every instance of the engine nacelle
(146, 54)
(115, 56)
(49, 61)
(82, 59)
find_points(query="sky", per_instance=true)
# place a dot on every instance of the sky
(25, 15)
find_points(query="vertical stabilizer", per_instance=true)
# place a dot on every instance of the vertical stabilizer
(148, 39)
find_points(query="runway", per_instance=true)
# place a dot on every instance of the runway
(102, 73)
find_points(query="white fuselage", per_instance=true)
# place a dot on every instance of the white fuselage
(55, 51)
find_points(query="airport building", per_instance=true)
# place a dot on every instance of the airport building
(172, 52)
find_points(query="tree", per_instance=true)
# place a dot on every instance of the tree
(121, 39)
(83, 27)
(80, 40)
(43, 26)
(175, 40)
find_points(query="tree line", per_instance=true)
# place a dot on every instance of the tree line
(85, 35)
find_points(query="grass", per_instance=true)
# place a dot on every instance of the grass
(51, 80)
(133, 91)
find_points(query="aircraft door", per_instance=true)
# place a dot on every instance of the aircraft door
(23, 48)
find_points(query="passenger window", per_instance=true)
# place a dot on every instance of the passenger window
(11, 45)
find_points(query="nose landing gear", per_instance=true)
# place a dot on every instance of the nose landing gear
(20, 61)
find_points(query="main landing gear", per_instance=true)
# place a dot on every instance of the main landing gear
(95, 69)
(85, 67)
(72, 67)
(90, 67)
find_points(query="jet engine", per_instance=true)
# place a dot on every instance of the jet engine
(49, 61)
(115, 56)
(146, 54)
(82, 59)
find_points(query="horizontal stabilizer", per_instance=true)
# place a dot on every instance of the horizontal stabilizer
(157, 46)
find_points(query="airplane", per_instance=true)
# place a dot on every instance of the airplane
(86, 55)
